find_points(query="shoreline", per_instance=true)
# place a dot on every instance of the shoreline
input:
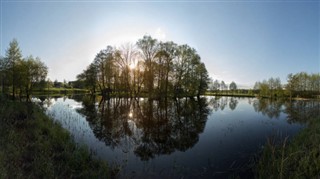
(34, 146)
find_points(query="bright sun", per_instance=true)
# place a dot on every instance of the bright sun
(132, 66)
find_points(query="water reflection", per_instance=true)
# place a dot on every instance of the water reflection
(297, 111)
(302, 110)
(268, 107)
(206, 138)
(220, 103)
(233, 103)
(149, 127)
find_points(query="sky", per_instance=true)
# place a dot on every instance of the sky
(241, 41)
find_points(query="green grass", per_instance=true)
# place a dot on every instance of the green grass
(235, 94)
(298, 158)
(56, 91)
(33, 146)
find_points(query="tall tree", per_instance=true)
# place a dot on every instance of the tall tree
(104, 64)
(232, 86)
(13, 55)
(125, 59)
(223, 85)
(148, 48)
(32, 71)
(216, 85)
(165, 57)
(89, 78)
(303, 84)
(2, 74)
(203, 79)
(185, 64)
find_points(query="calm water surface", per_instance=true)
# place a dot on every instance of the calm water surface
(189, 138)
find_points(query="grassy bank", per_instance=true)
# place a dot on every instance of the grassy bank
(230, 94)
(56, 91)
(33, 146)
(298, 158)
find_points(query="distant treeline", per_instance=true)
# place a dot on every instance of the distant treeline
(18, 75)
(151, 67)
(298, 85)
(301, 84)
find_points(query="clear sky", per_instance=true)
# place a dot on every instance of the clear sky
(241, 41)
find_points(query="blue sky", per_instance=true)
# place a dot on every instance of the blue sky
(241, 41)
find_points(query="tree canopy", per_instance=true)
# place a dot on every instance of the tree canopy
(298, 85)
(20, 74)
(150, 67)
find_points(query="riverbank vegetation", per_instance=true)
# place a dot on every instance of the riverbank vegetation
(33, 146)
(18, 75)
(298, 158)
(299, 85)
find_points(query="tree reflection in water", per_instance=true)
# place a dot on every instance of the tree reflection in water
(147, 127)
(219, 103)
(297, 110)
(268, 107)
(302, 110)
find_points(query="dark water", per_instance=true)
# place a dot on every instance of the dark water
(185, 138)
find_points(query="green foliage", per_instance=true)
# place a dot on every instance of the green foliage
(303, 84)
(269, 88)
(160, 69)
(233, 86)
(299, 158)
(298, 85)
(13, 56)
(33, 146)
(21, 75)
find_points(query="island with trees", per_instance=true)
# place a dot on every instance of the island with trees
(149, 68)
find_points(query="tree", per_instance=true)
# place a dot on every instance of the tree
(203, 79)
(315, 83)
(216, 85)
(223, 85)
(56, 84)
(303, 84)
(89, 78)
(104, 64)
(185, 71)
(13, 55)
(232, 86)
(2, 74)
(257, 85)
(148, 49)
(274, 86)
(49, 84)
(264, 88)
(21, 74)
(164, 65)
(160, 69)
(32, 71)
(125, 59)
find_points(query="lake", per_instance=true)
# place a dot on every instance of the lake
(183, 138)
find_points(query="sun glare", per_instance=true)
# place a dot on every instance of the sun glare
(132, 66)
(130, 114)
